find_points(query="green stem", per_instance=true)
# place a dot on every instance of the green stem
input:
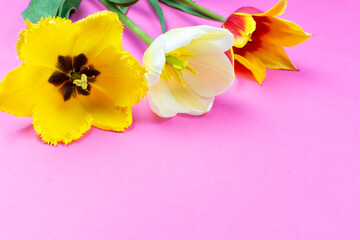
(128, 22)
(203, 10)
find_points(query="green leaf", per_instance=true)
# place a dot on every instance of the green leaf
(185, 8)
(123, 9)
(67, 7)
(124, 3)
(41, 8)
(159, 12)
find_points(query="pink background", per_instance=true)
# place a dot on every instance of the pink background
(279, 161)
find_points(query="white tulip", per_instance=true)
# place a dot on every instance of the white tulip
(187, 68)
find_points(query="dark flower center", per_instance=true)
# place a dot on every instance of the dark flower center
(75, 76)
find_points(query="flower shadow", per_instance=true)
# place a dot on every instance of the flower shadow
(184, 115)
(29, 131)
(147, 118)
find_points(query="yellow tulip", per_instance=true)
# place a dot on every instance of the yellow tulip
(73, 76)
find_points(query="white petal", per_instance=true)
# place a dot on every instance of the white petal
(162, 101)
(215, 73)
(154, 60)
(154, 56)
(220, 37)
(180, 37)
(167, 98)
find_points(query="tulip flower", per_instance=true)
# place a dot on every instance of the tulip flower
(187, 68)
(260, 38)
(73, 76)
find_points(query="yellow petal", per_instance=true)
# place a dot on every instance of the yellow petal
(278, 9)
(20, 43)
(273, 56)
(56, 120)
(41, 44)
(241, 26)
(121, 78)
(284, 33)
(97, 32)
(254, 64)
(105, 115)
(21, 88)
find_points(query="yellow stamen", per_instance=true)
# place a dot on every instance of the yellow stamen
(249, 36)
(179, 68)
(173, 53)
(168, 73)
(176, 64)
(180, 80)
(81, 82)
(191, 69)
(181, 52)
(186, 53)
(245, 35)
